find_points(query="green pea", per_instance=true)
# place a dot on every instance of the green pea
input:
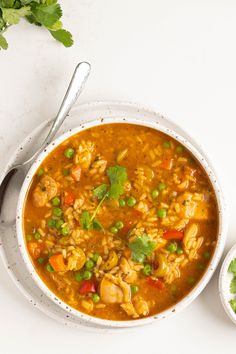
(51, 223)
(37, 235)
(69, 153)
(131, 201)
(179, 149)
(57, 212)
(147, 269)
(56, 201)
(172, 247)
(114, 230)
(49, 268)
(40, 172)
(166, 144)
(119, 225)
(59, 224)
(28, 237)
(161, 186)
(89, 264)
(200, 266)
(95, 257)
(87, 275)
(154, 193)
(134, 289)
(161, 213)
(190, 280)
(179, 251)
(206, 255)
(78, 276)
(95, 298)
(65, 230)
(65, 172)
(122, 203)
(40, 260)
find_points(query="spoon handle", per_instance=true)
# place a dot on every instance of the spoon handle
(76, 86)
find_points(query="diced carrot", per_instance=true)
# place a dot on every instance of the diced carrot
(88, 286)
(34, 248)
(167, 163)
(76, 173)
(173, 235)
(57, 262)
(156, 283)
(69, 198)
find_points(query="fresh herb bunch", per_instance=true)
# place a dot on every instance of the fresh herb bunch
(45, 13)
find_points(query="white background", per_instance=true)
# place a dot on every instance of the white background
(179, 57)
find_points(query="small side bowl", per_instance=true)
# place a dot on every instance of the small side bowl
(132, 114)
(224, 284)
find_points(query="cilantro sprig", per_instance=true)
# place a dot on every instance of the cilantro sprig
(117, 176)
(46, 13)
(141, 247)
(232, 269)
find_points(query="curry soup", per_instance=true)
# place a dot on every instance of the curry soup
(120, 221)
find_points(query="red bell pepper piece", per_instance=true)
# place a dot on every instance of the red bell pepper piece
(69, 198)
(156, 283)
(88, 286)
(173, 235)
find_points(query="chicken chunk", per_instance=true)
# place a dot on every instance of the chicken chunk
(110, 292)
(191, 207)
(130, 275)
(45, 190)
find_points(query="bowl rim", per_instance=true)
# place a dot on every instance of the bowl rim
(224, 285)
(204, 162)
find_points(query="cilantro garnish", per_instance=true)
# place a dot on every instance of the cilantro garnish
(46, 13)
(141, 247)
(232, 267)
(89, 223)
(100, 191)
(233, 305)
(233, 286)
(118, 177)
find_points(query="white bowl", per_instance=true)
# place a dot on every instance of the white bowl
(117, 112)
(224, 284)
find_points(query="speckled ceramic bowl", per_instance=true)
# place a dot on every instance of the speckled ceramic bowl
(118, 112)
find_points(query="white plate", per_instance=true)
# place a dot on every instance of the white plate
(9, 247)
(224, 284)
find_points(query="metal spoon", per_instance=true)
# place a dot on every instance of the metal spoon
(75, 88)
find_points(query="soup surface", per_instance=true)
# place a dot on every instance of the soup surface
(120, 221)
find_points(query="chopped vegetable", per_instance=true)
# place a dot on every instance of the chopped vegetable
(88, 222)
(40, 260)
(166, 144)
(56, 201)
(95, 298)
(57, 212)
(40, 172)
(141, 247)
(206, 255)
(118, 177)
(59, 224)
(119, 225)
(87, 275)
(161, 213)
(37, 235)
(155, 193)
(172, 247)
(95, 257)
(173, 235)
(65, 172)
(232, 267)
(88, 286)
(147, 269)
(114, 230)
(179, 149)
(78, 276)
(49, 268)
(65, 230)
(134, 289)
(51, 223)
(69, 199)
(167, 164)
(156, 283)
(100, 191)
(89, 264)
(233, 304)
(57, 262)
(69, 153)
(233, 286)
(131, 201)
(122, 203)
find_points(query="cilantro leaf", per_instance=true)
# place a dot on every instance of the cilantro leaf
(233, 286)
(63, 36)
(45, 14)
(118, 177)
(232, 267)
(3, 42)
(7, 3)
(233, 304)
(141, 247)
(100, 191)
(85, 220)
(88, 222)
(12, 16)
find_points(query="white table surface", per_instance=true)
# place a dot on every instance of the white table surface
(178, 57)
